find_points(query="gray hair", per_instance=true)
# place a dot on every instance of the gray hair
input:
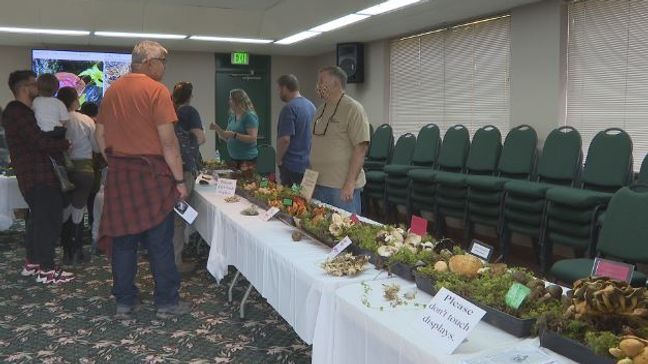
(147, 49)
(336, 72)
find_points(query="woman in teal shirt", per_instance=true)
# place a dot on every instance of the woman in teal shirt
(242, 130)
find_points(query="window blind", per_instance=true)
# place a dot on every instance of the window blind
(607, 70)
(452, 76)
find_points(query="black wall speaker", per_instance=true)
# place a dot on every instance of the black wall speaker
(350, 57)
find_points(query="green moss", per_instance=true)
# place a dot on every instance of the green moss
(600, 342)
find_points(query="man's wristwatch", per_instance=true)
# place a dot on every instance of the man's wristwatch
(235, 135)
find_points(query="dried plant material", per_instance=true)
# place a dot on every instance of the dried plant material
(250, 211)
(391, 294)
(345, 265)
(297, 235)
(232, 199)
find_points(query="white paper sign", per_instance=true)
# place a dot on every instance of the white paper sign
(308, 183)
(226, 187)
(185, 211)
(339, 247)
(481, 250)
(269, 214)
(449, 319)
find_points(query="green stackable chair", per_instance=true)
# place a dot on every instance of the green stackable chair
(524, 204)
(265, 164)
(425, 155)
(451, 188)
(572, 214)
(486, 193)
(380, 148)
(402, 155)
(623, 237)
(643, 172)
(452, 158)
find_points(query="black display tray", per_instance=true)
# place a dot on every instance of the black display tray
(571, 349)
(402, 270)
(425, 283)
(511, 324)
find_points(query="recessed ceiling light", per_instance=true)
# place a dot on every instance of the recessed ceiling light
(230, 39)
(139, 35)
(298, 37)
(387, 6)
(44, 31)
(340, 22)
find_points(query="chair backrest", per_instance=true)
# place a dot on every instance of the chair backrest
(518, 153)
(609, 161)
(484, 150)
(404, 149)
(624, 232)
(454, 149)
(266, 160)
(382, 143)
(561, 157)
(428, 143)
(643, 172)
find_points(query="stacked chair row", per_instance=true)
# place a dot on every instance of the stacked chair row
(550, 198)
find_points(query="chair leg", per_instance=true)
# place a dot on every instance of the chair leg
(505, 242)
(468, 232)
(536, 249)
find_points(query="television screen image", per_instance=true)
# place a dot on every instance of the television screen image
(91, 73)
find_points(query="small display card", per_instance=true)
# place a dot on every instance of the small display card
(264, 183)
(185, 211)
(287, 202)
(449, 319)
(339, 247)
(418, 225)
(612, 269)
(269, 214)
(481, 250)
(516, 295)
(226, 187)
(308, 184)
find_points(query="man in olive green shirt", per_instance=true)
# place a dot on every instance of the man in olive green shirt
(340, 143)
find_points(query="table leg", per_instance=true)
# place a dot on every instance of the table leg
(231, 287)
(244, 300)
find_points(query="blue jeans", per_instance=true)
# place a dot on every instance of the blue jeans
(331, 196)
(159, 243)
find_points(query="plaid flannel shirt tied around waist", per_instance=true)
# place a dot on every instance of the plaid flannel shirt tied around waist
(140, 193)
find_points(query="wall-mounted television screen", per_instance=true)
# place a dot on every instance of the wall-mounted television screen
(91, 73)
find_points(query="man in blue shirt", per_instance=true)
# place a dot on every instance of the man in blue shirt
(293, 131)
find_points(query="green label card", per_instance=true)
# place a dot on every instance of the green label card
(516, 295)
(287, 202)
(264, 183)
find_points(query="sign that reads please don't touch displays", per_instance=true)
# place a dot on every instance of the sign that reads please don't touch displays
(449, 319)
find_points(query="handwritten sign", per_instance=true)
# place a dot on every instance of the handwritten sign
(418, 225)
(481, 250)
(339, 247)
(612, 269)
(308, 184)
(269, 214)
(226, 187)
(516, 295)
(449, 319)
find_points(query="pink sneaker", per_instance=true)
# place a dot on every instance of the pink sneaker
(54, 276)
(29, 269)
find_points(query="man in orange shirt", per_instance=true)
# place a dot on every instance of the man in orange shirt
(135, 132)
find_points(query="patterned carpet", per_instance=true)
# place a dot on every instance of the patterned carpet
(73, 323)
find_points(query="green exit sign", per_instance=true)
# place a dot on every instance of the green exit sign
(242, 58)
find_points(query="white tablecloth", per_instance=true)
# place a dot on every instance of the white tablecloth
(10, 199)
(286, 273)
(349, 332)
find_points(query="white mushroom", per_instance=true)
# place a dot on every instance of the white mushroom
(413, 240)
